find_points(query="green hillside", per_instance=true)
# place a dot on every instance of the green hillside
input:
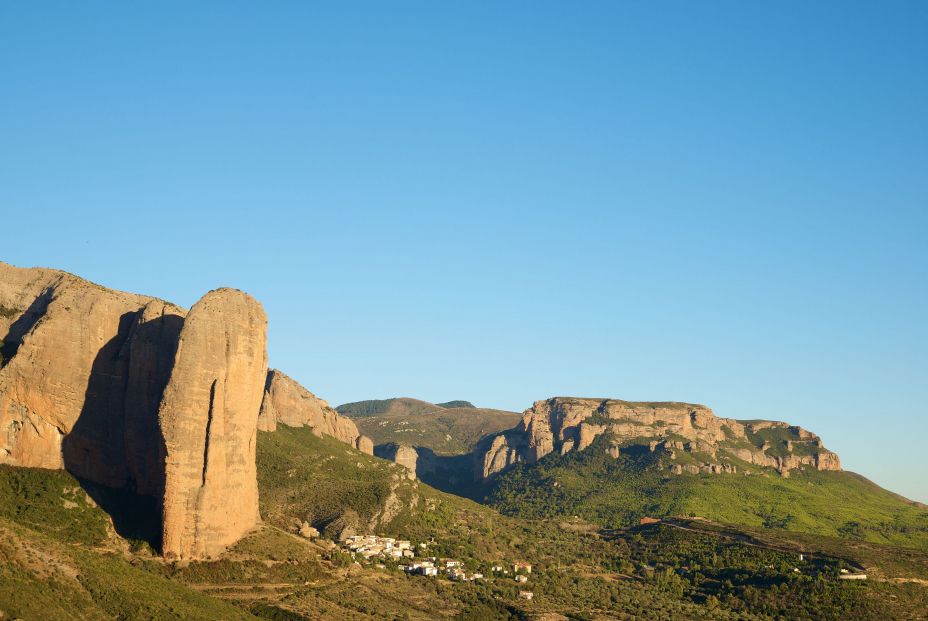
(698, 570)
(451, 428)
(61, 558)
(456, 404)
(618, 492)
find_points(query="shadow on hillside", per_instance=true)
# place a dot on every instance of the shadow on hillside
(134, 515)
(116, 447)
(453, 474)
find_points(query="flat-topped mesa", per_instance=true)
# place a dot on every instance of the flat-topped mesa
(564, 424)
(208, 416)
(286, 402)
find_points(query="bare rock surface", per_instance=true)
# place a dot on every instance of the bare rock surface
(208, 416)
(131, 392)
(286, 402)
(564, 424)
(403, 454)
(68, 377)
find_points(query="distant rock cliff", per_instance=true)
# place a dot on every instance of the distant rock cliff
(403, 454)
(286, 402)
(689, 434)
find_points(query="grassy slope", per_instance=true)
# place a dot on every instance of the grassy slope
(60, 560)
(445, 430)
(303, 477)
(45, 531)
(299, 471)
(580, 572)
(617, 492)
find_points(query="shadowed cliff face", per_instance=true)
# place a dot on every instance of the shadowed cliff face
(403, 454)
(116, 440)
(151, 351)
(74, 367)
(23, 324)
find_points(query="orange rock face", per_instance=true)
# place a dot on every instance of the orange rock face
(132, 392)
(286, 402)
(403, 454)
(208, 416)
(78, 360)
(564, 424)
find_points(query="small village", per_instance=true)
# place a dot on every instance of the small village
(371, 548)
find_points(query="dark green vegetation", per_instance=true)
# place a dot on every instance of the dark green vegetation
(456, 404)
(723, 567)
(60, 559)
(303, 477)
(8, 313)
(618, 492)
(51, 502)
(451, 428)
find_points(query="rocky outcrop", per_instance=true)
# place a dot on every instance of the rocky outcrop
(151, 351)
(131, 392)
(564, 424)
(496, 453)
(286, 402)
(208, 416)
(365, 445)
(403, 454)
(82, 371)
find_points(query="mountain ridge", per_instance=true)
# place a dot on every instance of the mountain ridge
(687, 432)
(420, 424)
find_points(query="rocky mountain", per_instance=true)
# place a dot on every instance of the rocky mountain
(132, 392)
(404, 455)
(116, 408)
(208, 418)
(451, 428)
(287, 403)
(68, 370)
(690, 437)
(59, 560)
(136, 394)
(613, 462)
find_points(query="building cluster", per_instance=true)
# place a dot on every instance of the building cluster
(373, 547)
(432, 566)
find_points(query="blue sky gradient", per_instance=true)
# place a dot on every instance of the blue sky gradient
(724, 202)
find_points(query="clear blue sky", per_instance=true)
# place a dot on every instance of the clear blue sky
(720, 202)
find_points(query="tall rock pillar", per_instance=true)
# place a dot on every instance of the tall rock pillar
(208, 416)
